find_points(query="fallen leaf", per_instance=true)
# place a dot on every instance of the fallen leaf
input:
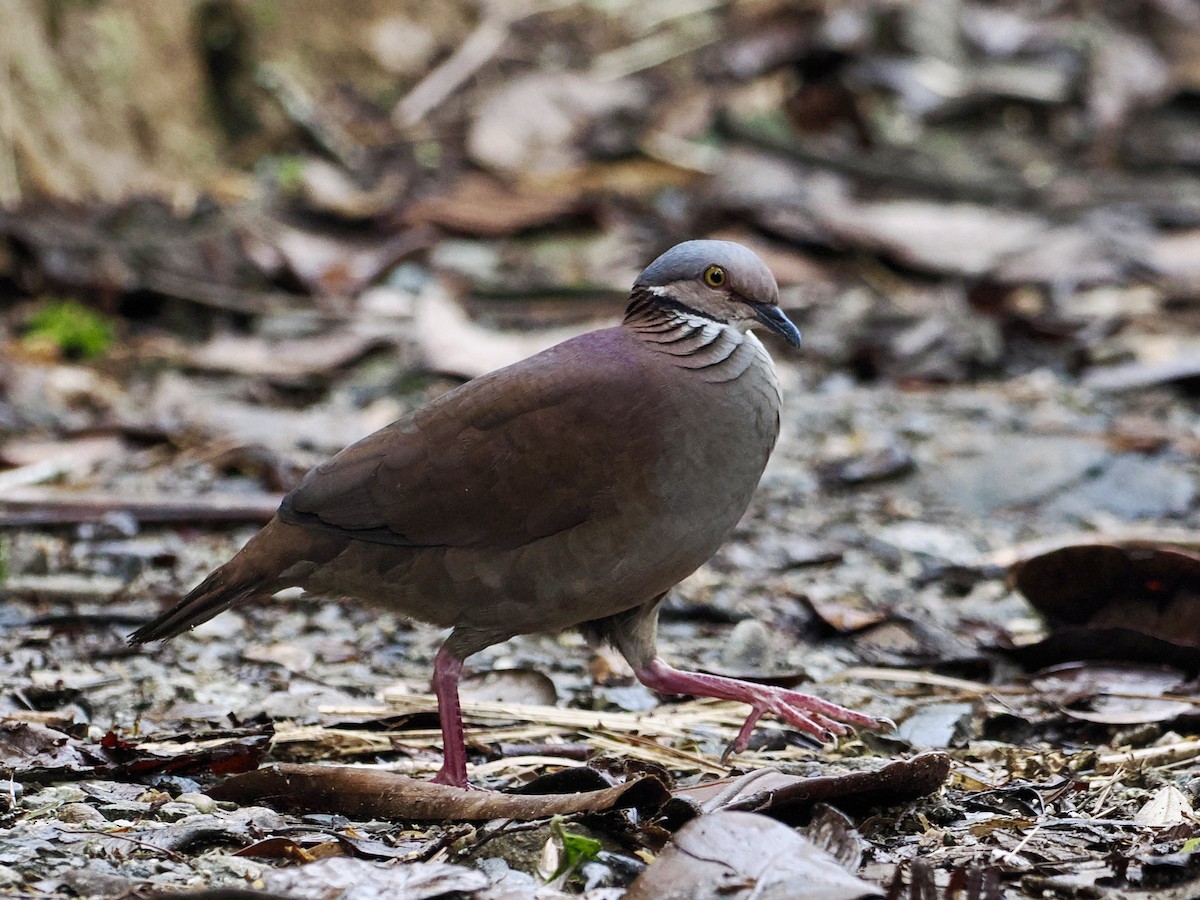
(293, 657)
(844, 615)
(256, 356)
(1102, 692)
(1148, 589)
(938, 725)
(790, 796)
(370, 793)
(330, 266)
(27, 746)
(340, 877)
(894, 460)
(740, 856)
(452, 344)
(1132, 600)
(328, 188)
(481, 205)
(1168, 806)
(537, 124)
(954, 238)
(31, 752)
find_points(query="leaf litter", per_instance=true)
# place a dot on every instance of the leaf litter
(982, 218)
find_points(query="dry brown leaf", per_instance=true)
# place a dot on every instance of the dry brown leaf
(452, 344)
(480, 205)
(509, 686)
(251, 355)
(536, 124)
(371, 793)
(769, 790)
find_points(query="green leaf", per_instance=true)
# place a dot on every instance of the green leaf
(577, 848)
(70, 327)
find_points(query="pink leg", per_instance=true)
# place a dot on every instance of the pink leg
(810, 714)
(446, 669)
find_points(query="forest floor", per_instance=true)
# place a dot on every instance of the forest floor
(982, 518)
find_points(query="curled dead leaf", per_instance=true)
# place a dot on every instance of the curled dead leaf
(1134, 600)
(370, 793)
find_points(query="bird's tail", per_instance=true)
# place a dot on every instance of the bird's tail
(215, 594)
(253, 572)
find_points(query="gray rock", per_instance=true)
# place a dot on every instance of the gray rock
(1131, 487)
(1012, 470)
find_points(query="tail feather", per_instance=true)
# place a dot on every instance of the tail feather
(215, 594)
(256, 571)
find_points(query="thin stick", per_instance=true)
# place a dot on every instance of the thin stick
(34, 473)
(482, 44)
(1148, 757)
(39, 506)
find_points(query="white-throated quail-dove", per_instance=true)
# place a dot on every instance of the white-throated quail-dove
(572, 489)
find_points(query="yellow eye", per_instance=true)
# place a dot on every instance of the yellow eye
(714, 276)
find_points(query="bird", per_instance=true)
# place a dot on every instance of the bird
(572, 489)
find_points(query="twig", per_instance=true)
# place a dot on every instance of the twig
(1148, 757)
(145, 845)
(10, 181)
(908, 676)
(508, 763)
(896, 172)
(650, 52)
(482, 44)
(34, 473)
(302, 109)
(226, 297)
(39, 506)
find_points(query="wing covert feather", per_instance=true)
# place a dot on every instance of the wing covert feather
(508, 458)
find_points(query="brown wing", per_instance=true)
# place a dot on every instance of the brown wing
(508, 458)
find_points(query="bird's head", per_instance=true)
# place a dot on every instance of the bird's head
(717, 280)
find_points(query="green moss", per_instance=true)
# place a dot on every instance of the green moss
(286, 171)
(71, 328)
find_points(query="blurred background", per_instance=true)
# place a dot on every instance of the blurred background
(237, 235)
(946, 190)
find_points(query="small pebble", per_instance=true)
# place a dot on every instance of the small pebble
(53, 796)
(153, 795)
(124, 809)
(202, 802)
(79, 814)
(748, 648)
(173, 811)
(10, 877)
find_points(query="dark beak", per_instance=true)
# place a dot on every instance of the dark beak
(773, 318)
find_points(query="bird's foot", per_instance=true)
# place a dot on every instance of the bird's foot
(812, 715)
